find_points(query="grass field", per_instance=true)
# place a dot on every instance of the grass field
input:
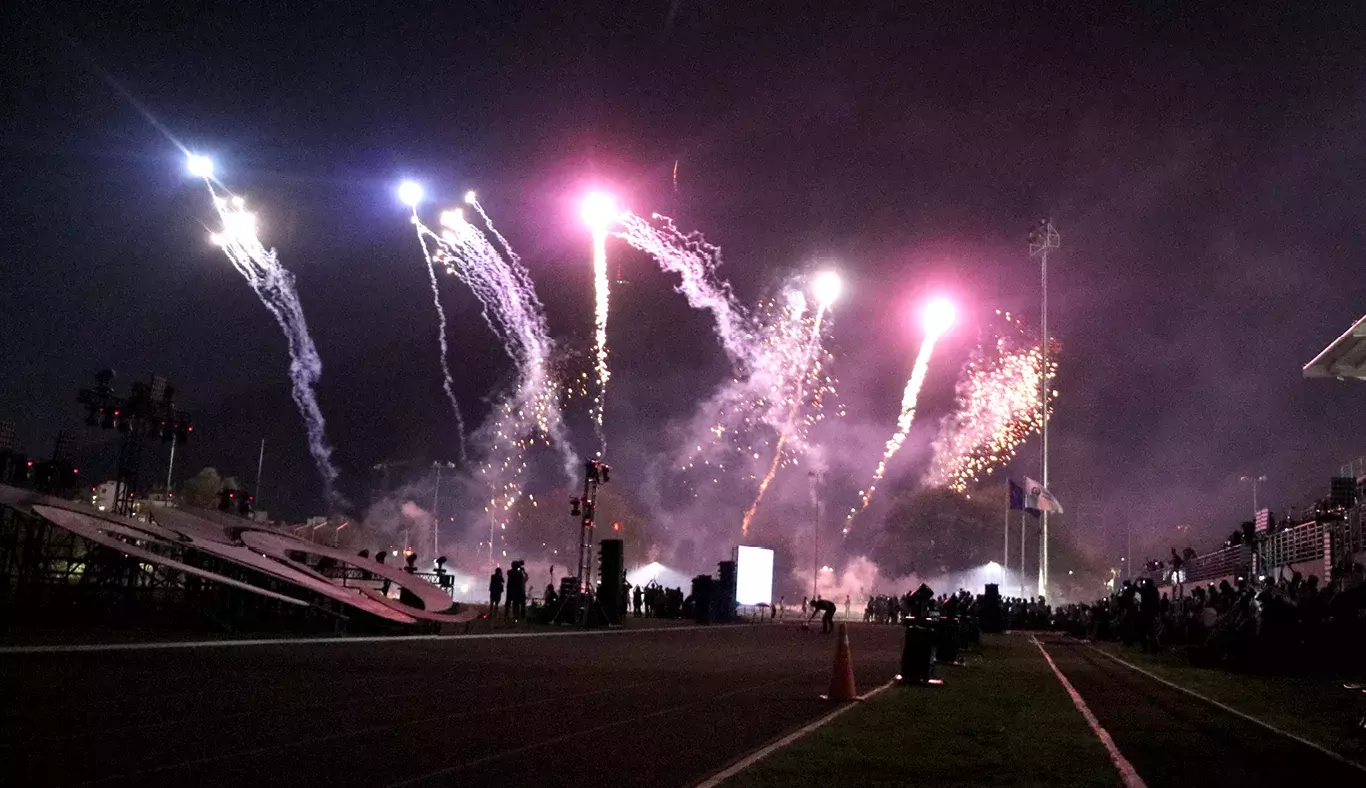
(1003, 719)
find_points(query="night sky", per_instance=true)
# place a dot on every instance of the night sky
(1204, 168)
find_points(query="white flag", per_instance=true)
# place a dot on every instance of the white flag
(1039, 499)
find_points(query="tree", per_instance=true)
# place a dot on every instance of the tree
(934, 530)
(201, 489)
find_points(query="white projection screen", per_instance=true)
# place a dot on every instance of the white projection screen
(753, 576)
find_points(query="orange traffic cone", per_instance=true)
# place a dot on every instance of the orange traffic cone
(842, 676)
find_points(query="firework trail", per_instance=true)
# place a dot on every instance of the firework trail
(600, 214)
(529, 414)
(695, 261)
(600, 300)
(275, 287)
(781, 381)
(788, 427)
(939, 317)
(445, 351)
(909, 397)
(996, 408)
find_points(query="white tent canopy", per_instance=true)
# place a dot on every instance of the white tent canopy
(1345, 358)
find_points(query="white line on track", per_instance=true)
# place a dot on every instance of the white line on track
(1127, 773)
(764, 752)
(1229, 709)
(101, 647)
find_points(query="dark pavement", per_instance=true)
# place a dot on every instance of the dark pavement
(650, 708)
(1173, 739)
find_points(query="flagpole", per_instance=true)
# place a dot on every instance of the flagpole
(1044, 238)
(1005, 553)
(1022, 552)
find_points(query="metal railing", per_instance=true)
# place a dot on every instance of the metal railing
(1223, 562)
(1296, 545)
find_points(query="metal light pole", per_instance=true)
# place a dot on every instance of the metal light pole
(170, 466)
(1255, 481)
(818, 496)
(1043, 239)
(436, 515)
(1022, 553)
(1005, 553)
(260, 463)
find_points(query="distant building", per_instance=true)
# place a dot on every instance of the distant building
(7, 442)
(66, 446)
(102, 496)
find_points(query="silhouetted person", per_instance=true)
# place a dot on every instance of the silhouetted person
(495, 590)
(516, 588)
(827, 609)
(637, 599)
(379, 559)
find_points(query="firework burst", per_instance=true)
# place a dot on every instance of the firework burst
(529, 413)
(996, 409)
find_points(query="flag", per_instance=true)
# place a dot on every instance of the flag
(1039, 499)
(1017, 495)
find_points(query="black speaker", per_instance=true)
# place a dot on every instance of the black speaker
(612, 573)
(991, 616)
(725, 591)
(1342, 492)
(703, 588)
(917, 653)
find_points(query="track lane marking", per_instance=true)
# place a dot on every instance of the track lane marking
(763, 752)
(1229, 709)
(103, 647)
(1127, 773)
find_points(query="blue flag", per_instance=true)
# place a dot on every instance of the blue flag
(1017, 495)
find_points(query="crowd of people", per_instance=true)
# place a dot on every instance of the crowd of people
(1286, 624)
(656, 601)
(883, 609)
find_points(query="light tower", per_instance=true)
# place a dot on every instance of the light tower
(1043, 239)
(586, 508)
(1256, 480)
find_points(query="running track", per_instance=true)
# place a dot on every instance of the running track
(652, 708)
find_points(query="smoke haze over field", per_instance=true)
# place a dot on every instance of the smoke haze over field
(1201, 165)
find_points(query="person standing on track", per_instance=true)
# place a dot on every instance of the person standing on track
(848, 600)
(828, 608)
(495, 590)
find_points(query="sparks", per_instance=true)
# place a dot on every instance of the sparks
(996, 409)
(449, 219)
(599, 213)
(529, 413)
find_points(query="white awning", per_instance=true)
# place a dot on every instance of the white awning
(1345, 358)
